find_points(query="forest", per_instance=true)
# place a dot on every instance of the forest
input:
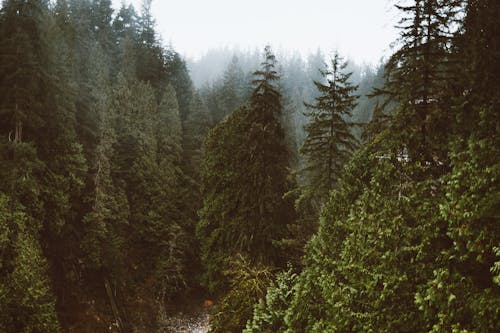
(286, 193)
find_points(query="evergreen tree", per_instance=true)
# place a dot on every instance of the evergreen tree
(178, 77)
(231, 92)
(244, 210)
(101, 20)
(329, 141)
(399, 248)
(23, 51)
(150, 55)
(26, 300)
(125, 29)
(418, 75)
(195, 130)
(269, 312)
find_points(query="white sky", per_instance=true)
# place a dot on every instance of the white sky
(360, 29)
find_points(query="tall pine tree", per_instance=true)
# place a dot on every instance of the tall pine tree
(244, 179)
(329, 142)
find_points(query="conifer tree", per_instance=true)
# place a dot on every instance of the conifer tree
(329, 142)
(27, 303)
(23, 50)
(125, 30)
(419, 72)
(101, 20)
(232, 90)
(150, 55)
(244, 209)
(178, 77)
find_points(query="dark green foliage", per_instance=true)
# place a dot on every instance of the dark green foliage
(24, 54)
(244, 209)
(269, 312)
(229, 94)
(92, 157)
(245, 212)
(419, 72)
(463, 295)
(408, 240)
(248, 284)
(26, 300)
(103, 170)
(329, 141)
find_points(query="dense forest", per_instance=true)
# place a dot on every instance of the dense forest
(300, 194)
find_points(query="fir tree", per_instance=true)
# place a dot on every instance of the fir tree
(23, 51)
(418, 74)
(244, 210)
(232, 90)
(27, 303)
(329, 141)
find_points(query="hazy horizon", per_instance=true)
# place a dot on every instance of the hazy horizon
(358, 29)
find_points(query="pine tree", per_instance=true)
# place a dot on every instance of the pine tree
(244, 209)
(101, 20)
(150, 55)
(27, 303)
(329, 142)
(232, 90)
(419, 72)
(23, 53)
(125, 30)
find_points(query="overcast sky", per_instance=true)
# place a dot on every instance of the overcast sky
(360, 29)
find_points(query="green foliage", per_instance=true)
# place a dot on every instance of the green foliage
(329, 139)
(101, 165)
(463, 294)
(248, 284)
(409, 239)
(269, 313)
(419, 76)
(26, 300)
(93, 149)
(244, 207)
(358, 263)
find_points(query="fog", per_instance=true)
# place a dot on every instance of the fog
(361, 30)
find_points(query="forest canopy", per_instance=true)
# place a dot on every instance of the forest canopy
(298, 194)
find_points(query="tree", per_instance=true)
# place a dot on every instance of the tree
(399, 248)
(244, 208)
(231, 92)
(101, 20)
(329, 142)
(125, 29)
(269, 313)
(150, 55)
(23, 51)
(418, 74)
(26, 300)
(248, 285)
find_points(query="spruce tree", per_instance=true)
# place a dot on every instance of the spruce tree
(23, 50)
(27, 303)
(418, 74)
(232, 90)
(150, 54)
(329, 142)
(244, 207)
